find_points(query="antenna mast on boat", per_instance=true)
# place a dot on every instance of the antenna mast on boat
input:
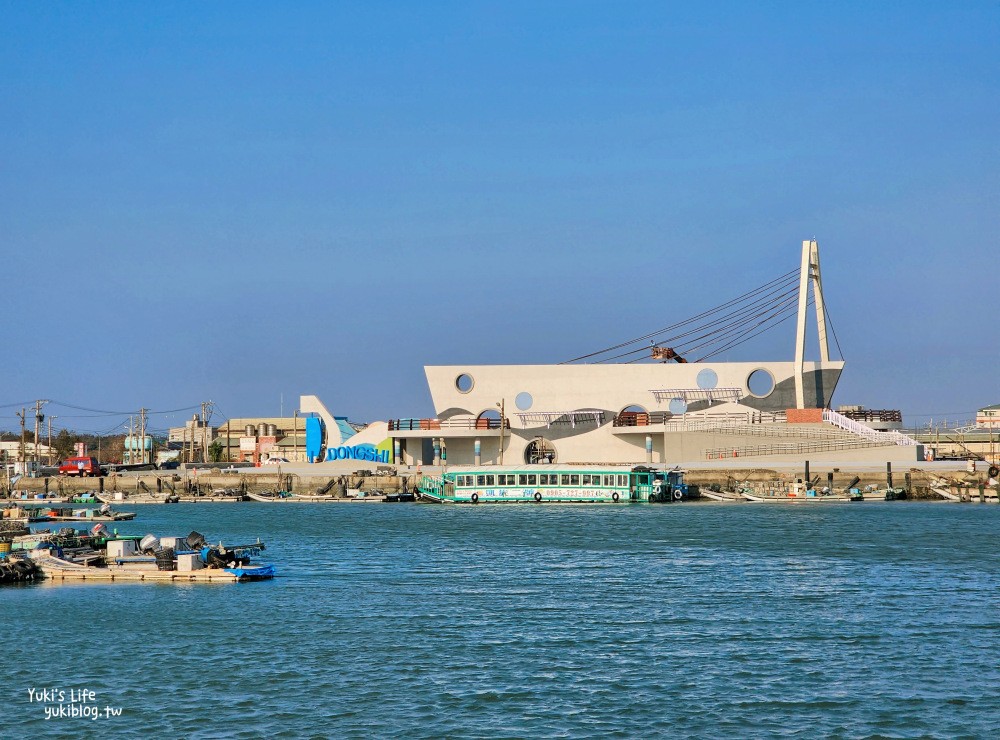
(809, 274)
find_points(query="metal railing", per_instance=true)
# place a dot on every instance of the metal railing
(799, 448)
(695, 422)
(414, 425)
(876, 415)
(783, 430)
(863, 430)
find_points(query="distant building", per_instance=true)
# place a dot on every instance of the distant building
(251, 439)
(11, 450)
(988, 417)
(884, 420)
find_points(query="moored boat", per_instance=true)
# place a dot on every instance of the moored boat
(287, 497)
(149, 558)
(554, 484)
(77, 514)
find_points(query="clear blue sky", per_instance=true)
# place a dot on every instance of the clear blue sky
(235, 201)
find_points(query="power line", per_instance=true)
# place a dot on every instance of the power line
(779, 281)
(744, 314)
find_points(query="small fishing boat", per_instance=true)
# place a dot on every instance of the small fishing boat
(151, 558)
(796, 493)
(287, 497)
(19, 497)
(76, 514)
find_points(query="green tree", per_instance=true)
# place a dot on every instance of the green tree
(215, 451)
(63, 444)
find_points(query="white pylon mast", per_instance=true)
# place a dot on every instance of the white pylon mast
(809, 275)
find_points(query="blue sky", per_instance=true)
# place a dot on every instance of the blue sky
(239, 201)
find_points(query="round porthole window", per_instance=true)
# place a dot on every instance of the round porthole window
(523, 400)
(707, 379)
(464, 383)
(677, 406)
(760, 383)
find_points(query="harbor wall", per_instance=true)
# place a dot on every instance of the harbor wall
(338, 479)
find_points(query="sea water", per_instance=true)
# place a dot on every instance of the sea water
(692, 620)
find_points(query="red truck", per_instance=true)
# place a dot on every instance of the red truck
(82, 466)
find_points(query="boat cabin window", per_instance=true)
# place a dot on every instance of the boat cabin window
(565, 480)
(532, 480)
(574, 480)
(623, 480)
(586, 480)
(489, 480)
(543, 479)
(480, 480)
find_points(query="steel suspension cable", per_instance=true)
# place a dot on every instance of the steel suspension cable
(709, 312)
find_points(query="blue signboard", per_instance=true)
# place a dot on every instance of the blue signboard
(314, 437)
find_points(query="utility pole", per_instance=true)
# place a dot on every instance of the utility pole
(205, 411)
(503, 424)
(20, 452)
(49, 456)
(295, 434)
(142, 434)
(39, 418)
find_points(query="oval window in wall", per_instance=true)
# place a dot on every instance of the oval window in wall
(523, 400)
(678, 406)
(760, 383)
(707, 379)
(464, 383)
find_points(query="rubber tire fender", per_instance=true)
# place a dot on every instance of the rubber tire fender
(994, 471)
(678, 495)
(538, 497)
(474, 498)
(615, 497)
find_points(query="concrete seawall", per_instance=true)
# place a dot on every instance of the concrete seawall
(310, 479)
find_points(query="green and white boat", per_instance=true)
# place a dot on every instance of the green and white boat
(592, 484)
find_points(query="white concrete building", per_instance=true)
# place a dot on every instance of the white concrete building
(656, 412)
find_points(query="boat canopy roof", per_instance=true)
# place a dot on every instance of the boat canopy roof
(560, 467)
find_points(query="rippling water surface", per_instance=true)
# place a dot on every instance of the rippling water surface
(697, 620)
